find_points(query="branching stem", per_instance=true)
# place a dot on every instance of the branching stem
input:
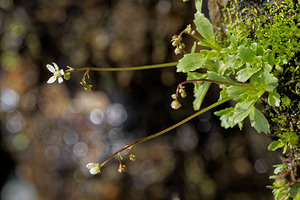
(165, 130)
(203, 41)
(208, 80)
(199, 39)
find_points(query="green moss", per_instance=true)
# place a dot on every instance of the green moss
(275, 26)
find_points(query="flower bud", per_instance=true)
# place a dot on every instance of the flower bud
(189, 28)
(175, 104)
(67, 76)
(132, 157)
(181, 46)
(122, 168)
(182, 92)
(173, 96)
(178, 51)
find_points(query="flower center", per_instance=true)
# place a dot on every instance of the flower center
(57, 74)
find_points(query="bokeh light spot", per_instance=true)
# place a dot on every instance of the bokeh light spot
(80, 149)
(9, 100)
(116, 114)
(14, 122)
(20, 142)
(260, 166)
(96, 116)
(70, 137)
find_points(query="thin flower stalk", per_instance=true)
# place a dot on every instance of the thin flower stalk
(165, 130)
(156, 66)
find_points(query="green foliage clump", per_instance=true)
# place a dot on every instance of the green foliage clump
(243, 68)
(276, 26)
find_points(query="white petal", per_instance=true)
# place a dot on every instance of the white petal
(95, 170)
(55, 65)
(62, 72)
(60, 79)
(51, 79)
(90, 165)
(50, 68)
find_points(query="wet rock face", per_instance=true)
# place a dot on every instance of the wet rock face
(214, 7)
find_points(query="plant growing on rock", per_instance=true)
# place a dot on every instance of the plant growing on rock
(255, 61)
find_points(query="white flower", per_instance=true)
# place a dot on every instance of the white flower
(94, 168)
(57, 73)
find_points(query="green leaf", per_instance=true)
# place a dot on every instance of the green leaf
(232, 48)
(204, 27)
(233, 41)
(294, 190)
(280, 193)
(199, 93)
(226, 117)
(270, 81)
(237, 93)
(275, 145)
(259, 121)
(279, 168)
(200, 90)
(215, 76)
(198, 4)
(235, 115)
(269, 57)
(274, 99)
(267, 67)
(193, 49)
(244, 74)
(242, 110)
(194, 61)
(246, 54)
(272, 187)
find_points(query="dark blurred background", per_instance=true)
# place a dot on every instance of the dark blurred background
(50, 132)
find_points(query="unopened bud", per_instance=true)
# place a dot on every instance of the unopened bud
(174, 43)
(182, 92)
(189, 28)
(173, 96)
(122, 168)
(178, 51)
(175, 104)
(132, 157)
(174, 37)
(67, 76)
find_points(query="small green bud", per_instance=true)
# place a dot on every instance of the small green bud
(67, 76)
(182, 92)
(87, 87)
(188, 28)
(181, 46)
(132, 157)
(173, 96)
(176, 40)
